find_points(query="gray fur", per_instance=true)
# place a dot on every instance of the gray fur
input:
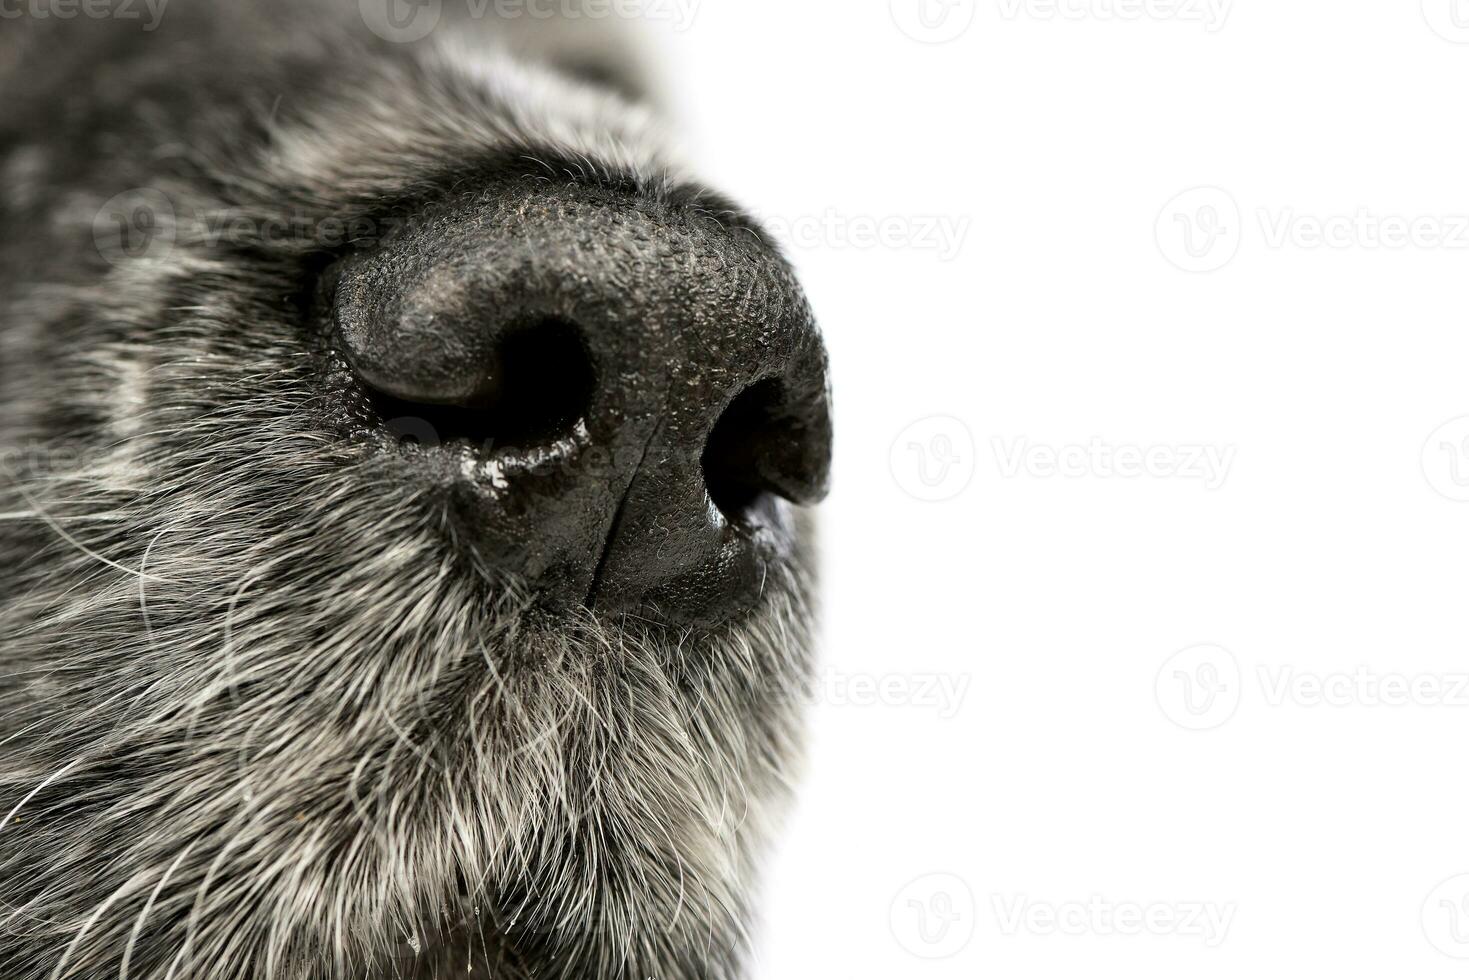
(257, 719)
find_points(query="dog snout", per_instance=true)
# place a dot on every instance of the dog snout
(623, 395)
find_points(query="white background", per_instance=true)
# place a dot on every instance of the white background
(1062, 775)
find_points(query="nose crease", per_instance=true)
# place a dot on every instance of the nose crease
(615, 524)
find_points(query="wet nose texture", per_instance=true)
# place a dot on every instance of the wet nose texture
(613, 397)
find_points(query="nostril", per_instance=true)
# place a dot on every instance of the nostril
(758, 448)
(548, 382)
(542, 386)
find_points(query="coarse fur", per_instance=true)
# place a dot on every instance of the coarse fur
(259, 717)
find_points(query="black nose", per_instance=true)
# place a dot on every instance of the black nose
(616, 396)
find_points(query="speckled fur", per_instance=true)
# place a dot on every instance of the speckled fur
(258, 717)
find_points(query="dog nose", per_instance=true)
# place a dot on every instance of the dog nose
(615, 397)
